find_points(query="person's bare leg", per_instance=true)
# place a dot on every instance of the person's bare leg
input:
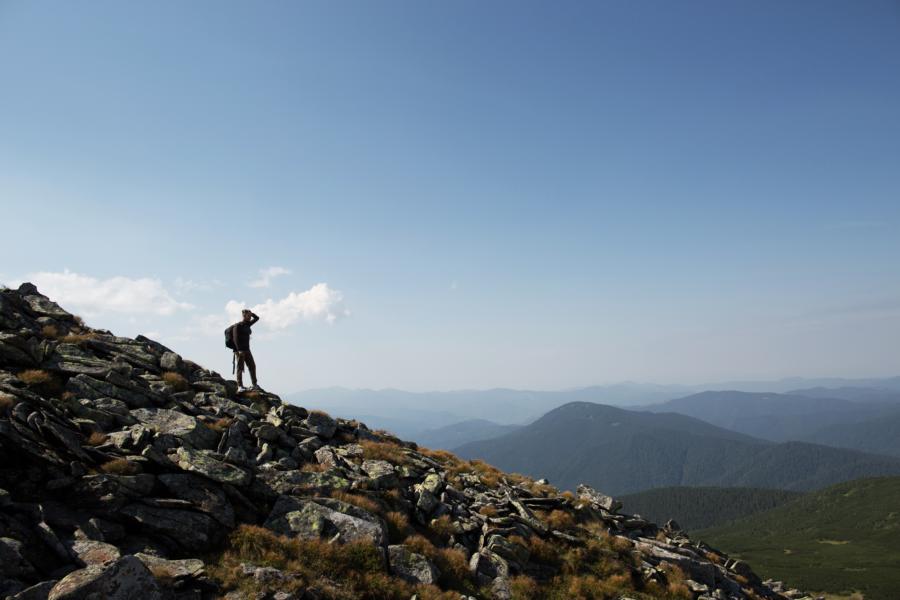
(240, 370)
(251, 366)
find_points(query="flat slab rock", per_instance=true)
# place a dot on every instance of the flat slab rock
(204, 463)
(179, 424)
(124, 579)
(325, 517)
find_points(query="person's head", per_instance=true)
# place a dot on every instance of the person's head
(246, 315)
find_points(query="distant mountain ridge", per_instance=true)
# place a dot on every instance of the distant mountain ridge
(451, 436)
(623, 451)
(771, 416)
(411, 413)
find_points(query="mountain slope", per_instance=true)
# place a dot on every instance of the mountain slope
(703, 507)
(129, 472)
(628, 451)
(880, 435)
(451, 436)
(839, 539)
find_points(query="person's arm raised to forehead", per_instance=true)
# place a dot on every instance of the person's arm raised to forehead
(254, 319)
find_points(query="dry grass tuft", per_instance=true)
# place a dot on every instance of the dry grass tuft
(559, 519)
(524, 587)
(312, 467)
(338, 571)
(543, 551)
(35, 377)
(488, 510)
(41, 382)
(51, 332)
(676, 587)
(358, 500)
(163, 576)
(78, 338)
(398, 526)
(220, 425)
(442, 527)
(489, 475)
(120, 466)
(392, 453)
(96, 438)
(176, 381)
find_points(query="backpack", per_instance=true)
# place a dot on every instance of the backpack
(229, 337)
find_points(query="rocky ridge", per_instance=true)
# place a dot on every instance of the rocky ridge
(128, 472)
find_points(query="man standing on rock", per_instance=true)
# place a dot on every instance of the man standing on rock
(240, 333)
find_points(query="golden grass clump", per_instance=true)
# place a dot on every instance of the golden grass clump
(51, 332)
(543, 551)
(675, 582)
(120, 466)
(220, 425)
(489, 474)
(96, 438)
(41, 382)
(559, 519)
(77, 338)
(312, 467)
(35, 377)
(398, 526)
(442, 527)
(392, 453)
(338, 571)
(454, 567)
(524, 587)
(442, 456)
(488, 510)
(176, 381)
(358, 500)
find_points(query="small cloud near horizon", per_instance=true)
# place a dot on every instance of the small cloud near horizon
(267, 275)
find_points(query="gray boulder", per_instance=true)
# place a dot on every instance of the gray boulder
(586, 492)
(178, 424)
(321, 424)
(12, 560)
(205, 463)
(124, 579)
(381, 473)
(188, 529)
(325, 517)
(410, 566)
(204, 495)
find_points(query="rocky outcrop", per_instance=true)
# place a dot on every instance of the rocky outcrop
(124, 464)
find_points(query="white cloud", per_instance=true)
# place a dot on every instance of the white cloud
(183, 286)
(267, 275)
(319, 302)
(94, 296)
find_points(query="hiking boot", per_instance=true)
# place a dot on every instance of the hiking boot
(242, 389)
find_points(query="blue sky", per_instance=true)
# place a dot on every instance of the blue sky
(517, 194)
